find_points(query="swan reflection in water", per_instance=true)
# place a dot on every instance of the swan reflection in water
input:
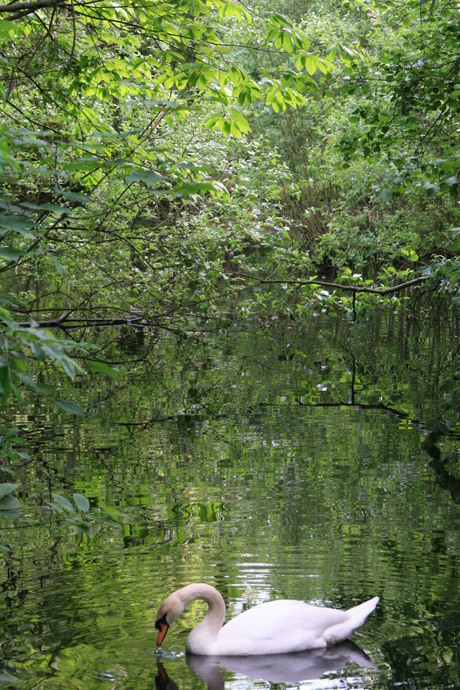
(273, 668)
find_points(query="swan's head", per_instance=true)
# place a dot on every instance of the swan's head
(168, 612)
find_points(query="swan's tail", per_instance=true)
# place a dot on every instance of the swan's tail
(355, 617)
(358, 614)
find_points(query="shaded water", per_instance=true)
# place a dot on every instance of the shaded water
(284, 462)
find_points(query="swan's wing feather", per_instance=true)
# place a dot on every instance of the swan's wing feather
(286, 612)
(279, 626)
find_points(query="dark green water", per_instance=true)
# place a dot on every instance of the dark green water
(280, 462)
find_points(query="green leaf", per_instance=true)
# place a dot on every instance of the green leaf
(52, 208)
(37, 352)
(5, 678)
(9, 503)
(64, 503)
(189, 188)
(11, 254)
(9, 507)
(213, 122)
(148, 177)
(241, 122)
(81, 502)
(17, 223)
(102, 368)
(69, 407)
(287, 41)
(76, 197)
(7, 488)
(431, 189)
(81, 526)
(385, 194)
(102, 519)
(54, 351)
(226, 127)
(310, 64)
(40, 389)
(17, 365)
(279, 20)
(5, 383)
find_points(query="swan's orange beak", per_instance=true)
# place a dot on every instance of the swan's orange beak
(162, 627)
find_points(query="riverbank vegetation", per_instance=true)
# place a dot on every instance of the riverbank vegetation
(197, 163)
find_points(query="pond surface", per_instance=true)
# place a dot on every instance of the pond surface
(284, 461)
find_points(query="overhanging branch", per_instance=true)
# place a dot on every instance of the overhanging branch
(28, 7)
(64, 322)
(336, 286)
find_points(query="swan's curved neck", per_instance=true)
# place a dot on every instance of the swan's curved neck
(210, 595)
(208, 629)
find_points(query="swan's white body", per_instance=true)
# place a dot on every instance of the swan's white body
(277, 627)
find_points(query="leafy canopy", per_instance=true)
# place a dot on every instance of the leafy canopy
(96, 99)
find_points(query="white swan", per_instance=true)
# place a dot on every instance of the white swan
(276, 627)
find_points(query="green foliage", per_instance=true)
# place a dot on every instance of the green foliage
(9, 505)
(120, 141)
(106, 111)
(451, 388)
(123, 203)
(377, 239)
(406, 96)
(77, 513)
(23, 346)
(99, 162)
